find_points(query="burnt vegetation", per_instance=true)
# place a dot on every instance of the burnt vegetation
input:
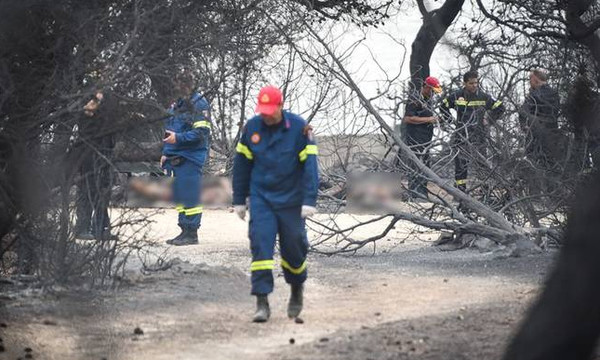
(56, 56)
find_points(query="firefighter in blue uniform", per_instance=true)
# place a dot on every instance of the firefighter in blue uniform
(186, 144)
(276, 169)
(471, 105)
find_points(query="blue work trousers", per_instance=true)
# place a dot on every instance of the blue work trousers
(265, 224)
(186, 192)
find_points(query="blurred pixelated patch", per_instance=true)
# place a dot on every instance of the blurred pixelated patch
(368, 190)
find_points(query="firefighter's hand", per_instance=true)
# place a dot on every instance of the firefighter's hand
(90, 108)
(240, 210)
(163, 158)
(171, 139)
(308, 211)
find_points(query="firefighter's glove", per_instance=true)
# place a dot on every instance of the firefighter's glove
(308, 211)
(240, 210)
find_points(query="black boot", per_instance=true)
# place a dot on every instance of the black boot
(189, 237)
(170, 241)
(295, 304)
(263, 312)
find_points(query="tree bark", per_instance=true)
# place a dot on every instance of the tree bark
(435, 24)
(564, 323)
(576, 26)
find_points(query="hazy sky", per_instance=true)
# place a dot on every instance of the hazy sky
(381, 52)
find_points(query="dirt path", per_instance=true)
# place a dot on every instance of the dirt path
(408, 300)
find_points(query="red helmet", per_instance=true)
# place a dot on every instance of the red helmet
(269, 100)
(434, 83)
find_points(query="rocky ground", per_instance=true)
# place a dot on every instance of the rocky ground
(404, 299)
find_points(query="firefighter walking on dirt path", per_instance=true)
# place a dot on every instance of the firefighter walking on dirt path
(276, 169)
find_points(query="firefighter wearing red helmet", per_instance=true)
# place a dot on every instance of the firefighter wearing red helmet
(275, 172)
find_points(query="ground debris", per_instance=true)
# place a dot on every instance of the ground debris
(204, 303)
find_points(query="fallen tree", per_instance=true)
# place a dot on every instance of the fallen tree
(482, 219)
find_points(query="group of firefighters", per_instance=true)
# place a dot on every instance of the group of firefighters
(474, 110)
(275, 172)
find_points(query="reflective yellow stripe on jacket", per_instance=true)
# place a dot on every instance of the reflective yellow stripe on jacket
(308, 150)
(244, 150)
(199, 124)
(470, 103)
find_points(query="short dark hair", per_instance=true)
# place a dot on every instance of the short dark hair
(471, 74)
(184, 80)
(540, 74)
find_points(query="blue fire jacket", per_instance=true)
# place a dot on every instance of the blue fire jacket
(190, 120)
(277, 163)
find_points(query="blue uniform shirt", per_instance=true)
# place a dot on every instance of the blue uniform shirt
(190, 120)
(277, 163)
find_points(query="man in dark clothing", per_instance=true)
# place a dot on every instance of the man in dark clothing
(468, 140)
(419, 120)
(96, 180)
(538, 118)
(582, 110)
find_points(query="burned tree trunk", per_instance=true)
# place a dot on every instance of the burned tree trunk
(435, 24)
(565, 321)
(579, 30)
